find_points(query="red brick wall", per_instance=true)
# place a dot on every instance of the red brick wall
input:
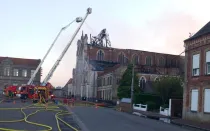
(111, 54)
(199, 82)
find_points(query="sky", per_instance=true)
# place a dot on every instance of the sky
(27, 28)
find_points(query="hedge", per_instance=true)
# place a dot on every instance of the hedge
(148, 98)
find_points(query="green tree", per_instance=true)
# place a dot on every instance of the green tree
(169, 87)
(124, 89)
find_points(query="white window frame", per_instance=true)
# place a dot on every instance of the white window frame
(196, 65)
(24, 73)
(194, 100)
(15, 84)
(15, 72)
(7, 71)
(32, 72)
(206, 100)
(207, 62)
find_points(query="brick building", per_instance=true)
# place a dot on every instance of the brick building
(99, 68)
(18, 71)
(196, 105)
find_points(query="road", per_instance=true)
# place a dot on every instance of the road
(43, 117)
(104, 119)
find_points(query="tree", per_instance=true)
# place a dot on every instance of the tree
(124, 89)
(169, 87)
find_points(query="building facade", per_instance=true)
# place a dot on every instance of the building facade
(196, 105)
(18, 71)
(99, 68)
(68, 88)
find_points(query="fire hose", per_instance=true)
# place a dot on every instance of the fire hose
(40, 108)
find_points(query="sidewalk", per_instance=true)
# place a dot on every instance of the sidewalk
(192, 124)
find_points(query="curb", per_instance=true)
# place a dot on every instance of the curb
(172, 122)
(188, 125)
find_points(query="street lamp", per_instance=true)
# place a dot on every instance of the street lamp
(132, 90)
(78, 20)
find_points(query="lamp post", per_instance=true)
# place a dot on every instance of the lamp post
(132, 90)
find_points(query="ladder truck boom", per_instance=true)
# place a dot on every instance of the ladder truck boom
(78, 19)
(47, 78)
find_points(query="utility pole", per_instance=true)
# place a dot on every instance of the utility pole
(132, 88)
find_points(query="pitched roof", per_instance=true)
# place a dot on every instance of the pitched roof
(22, 61)
(70, 81)
(108, 70)
(101, 65)
(203, 31)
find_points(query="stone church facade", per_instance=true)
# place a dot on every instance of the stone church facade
(99, 68)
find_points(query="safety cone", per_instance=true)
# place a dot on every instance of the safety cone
(96, 106)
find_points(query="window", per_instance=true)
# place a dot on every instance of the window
(32, 72)
(24, 73)
(142, 82)
(148, 61)
(15, 84)
(118, 81)
(100, 55)
(135, 59)
(196, 65)
(174, 63)
(121, 58)
(15, 72)
(110, 80)
(206, 100)
(6, 71)
(208, 62)
(161, 61)
(104, 81)
(194, 100)
(157, 79)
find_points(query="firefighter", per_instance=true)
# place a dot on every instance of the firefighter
(24, 94)
(10, 94)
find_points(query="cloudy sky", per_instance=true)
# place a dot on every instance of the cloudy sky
(27, 28)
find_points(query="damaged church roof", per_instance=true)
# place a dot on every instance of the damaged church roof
(101, 65)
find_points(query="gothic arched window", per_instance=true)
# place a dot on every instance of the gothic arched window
(161, 61)
(121, 58)
(142, 82)
(100, 55)
(135, 59)
(148, 61)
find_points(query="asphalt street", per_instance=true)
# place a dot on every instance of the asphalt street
(104, 119)
(42, 117)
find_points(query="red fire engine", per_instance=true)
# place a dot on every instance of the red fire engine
(8, 89)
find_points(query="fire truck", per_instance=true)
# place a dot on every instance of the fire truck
(8, 89)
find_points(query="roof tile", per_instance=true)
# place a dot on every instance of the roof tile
(203, 31)
(22, 61)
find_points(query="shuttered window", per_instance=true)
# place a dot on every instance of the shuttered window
(194, 100)
(196, 65)
(206, 100)
(208, 62)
